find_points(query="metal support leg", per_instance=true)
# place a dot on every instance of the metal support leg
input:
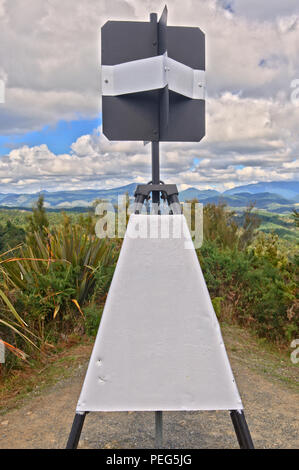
(159, 429)
(241, 429)
(75, 433)
(174, 204)
(155, 176)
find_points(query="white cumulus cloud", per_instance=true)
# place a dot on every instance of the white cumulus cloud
(50, 59)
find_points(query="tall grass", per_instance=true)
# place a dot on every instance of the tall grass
(48, 280)
(9, 317)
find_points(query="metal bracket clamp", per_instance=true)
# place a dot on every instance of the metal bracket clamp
(153, 73)
(169, 193)
(167, 190)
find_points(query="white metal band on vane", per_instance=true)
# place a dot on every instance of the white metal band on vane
(153, 73)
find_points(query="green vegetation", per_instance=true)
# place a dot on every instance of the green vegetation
(10, 236)
(295, 216)
(251, 276)
(50, 280)
(281, 224)
(55, 274)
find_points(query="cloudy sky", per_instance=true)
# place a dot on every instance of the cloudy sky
(50, 123)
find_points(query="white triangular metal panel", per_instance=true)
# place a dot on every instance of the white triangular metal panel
(159, 344)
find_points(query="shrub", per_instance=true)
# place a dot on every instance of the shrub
(220, 225)
(257, 291)
(10, 236)
(93, 314)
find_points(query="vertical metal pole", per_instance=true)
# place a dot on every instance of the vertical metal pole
(155, 174)
(75, 433)
(164, 93)
(155, 144)
(155, 163)
(153, 17)
(241, 429)
(159, 429)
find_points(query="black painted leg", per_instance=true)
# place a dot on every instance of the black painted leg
(75, 433)
(159, 429)
(241, 429)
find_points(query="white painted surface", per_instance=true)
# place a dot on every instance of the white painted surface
(153, 73)
(159, 345)
(133, 77)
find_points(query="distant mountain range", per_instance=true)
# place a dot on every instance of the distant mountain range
(287, 189)
(274, 196)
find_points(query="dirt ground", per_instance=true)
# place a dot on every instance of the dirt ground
(271, 408)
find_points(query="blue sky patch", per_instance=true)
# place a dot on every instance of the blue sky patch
(195, 163)
(228, 5)
(58, 138)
